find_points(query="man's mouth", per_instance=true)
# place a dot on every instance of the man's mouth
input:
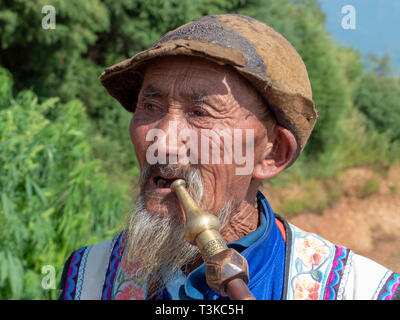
(162, 182)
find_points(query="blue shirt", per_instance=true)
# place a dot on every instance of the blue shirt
(264, 250)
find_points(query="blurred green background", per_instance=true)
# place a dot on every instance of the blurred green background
(67, 167)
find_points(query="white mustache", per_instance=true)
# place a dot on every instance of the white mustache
(192, 176)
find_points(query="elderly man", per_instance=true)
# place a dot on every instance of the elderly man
(238, 85)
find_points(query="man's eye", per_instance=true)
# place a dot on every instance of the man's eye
(198, 113)
(150, 107)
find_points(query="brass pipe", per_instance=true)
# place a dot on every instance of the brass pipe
(202, 229)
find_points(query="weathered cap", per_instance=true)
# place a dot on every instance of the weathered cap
(254, 49)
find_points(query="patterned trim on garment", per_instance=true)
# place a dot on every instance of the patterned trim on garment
(381, 285)
(113, 264)
(336, 273)
(345, 276)
(81, 272)
(390, 287)
(72, 274)
(310, 264)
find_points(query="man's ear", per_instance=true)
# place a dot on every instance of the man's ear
(278, 155)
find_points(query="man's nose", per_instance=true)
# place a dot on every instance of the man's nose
(170, 144)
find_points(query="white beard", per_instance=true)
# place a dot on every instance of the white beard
(156, 245)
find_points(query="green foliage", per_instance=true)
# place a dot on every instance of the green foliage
(393, 189)
(41, 58)
(382, 67)
(378, 98)
(313, 194)
(5, 87)
(293, 207)
(370, 187)
(54, 196)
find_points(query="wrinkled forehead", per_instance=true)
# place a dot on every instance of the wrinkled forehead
(195, 76)
(188, 74)
(187, 62)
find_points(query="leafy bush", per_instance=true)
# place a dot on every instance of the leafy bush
(378, 98)
(54, 196)
(370, 187)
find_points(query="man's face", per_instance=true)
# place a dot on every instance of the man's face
(197, 96)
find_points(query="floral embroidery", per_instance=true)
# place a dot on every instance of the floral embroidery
(310, 263)
(311, 251)
(128, 285)
(130, 292)
(306, 288)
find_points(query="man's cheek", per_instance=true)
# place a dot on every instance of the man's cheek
(214, 178)
(139, 142)
(212, 146)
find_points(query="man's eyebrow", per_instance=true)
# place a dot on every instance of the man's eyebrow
(198, 97)
(195, 95)
(151, 92)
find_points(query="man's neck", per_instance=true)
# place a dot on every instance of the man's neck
(244, 221)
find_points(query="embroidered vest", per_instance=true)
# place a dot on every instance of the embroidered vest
(315, 269)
